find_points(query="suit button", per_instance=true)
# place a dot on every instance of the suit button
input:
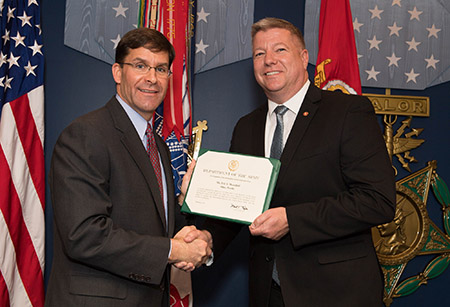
(147, 279)
(268, 258)
(162, 287)
(132, 276)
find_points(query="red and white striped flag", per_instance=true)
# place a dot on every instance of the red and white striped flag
(22, 172)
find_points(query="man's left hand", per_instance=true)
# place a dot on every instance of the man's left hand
(185, 182)
(271, 224)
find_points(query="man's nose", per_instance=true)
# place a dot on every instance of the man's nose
(270, 58)
(150, 76)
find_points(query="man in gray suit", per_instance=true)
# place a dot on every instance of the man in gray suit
(113, 194)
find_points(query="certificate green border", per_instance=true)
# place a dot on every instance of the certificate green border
(276, 165)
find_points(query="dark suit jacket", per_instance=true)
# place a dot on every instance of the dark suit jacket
(336, 182)
(110, 240)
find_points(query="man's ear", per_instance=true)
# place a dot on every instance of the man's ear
(117, 72)
(305, 57)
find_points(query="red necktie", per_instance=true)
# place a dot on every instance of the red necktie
(152, 152)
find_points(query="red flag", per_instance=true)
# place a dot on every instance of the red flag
(172, 18)
(22, 172)
(174, 25)
(337, 62)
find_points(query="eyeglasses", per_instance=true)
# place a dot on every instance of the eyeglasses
(142, 68)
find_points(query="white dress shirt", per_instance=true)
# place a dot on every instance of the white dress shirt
(289, 117)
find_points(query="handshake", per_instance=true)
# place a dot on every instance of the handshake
(190, 248)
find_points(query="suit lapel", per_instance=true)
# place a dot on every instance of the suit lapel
(133, 144)
(304, 117)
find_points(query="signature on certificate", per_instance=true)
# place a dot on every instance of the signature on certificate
(239, 207)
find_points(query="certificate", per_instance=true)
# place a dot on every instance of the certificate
(231, 186)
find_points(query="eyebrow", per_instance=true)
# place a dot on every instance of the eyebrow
(138, 59)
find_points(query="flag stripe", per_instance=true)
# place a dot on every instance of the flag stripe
(18, 169)
(36, 98)
(4, 296)
(8, 267)
(31, 144)
(26, 258)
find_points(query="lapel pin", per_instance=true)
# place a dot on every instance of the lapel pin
(305, 114)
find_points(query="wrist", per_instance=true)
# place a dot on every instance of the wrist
(174, 251)
(208, 238)
(180, 199)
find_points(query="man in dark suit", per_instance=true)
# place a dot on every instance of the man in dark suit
(313, 247)
(113, 193)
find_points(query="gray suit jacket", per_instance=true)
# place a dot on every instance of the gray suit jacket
(110, 239)
(336, 182)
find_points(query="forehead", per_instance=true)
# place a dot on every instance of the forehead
(274, 36)
(146, 55)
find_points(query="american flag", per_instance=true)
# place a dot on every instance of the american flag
(22, 173)
(400, 43)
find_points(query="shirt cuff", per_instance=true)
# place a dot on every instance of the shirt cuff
(210, 260)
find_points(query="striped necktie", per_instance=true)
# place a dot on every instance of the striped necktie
(275, 152)
(277, 142)
(152, 152)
